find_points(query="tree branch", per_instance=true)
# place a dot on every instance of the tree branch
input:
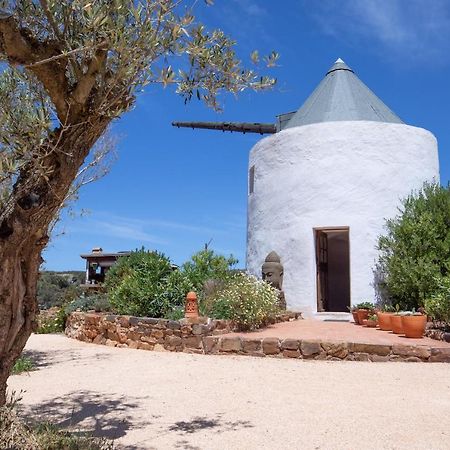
(22, 49)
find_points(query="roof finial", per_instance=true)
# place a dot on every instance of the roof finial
(339, 60)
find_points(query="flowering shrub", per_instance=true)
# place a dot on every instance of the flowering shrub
(438, 305)
(245, 300)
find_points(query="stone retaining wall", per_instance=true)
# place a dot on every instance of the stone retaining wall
(148, 333)
(208, 336)
(335, 351)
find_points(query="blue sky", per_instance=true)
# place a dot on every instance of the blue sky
(173, 190)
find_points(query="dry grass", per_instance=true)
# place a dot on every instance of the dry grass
(16, 435)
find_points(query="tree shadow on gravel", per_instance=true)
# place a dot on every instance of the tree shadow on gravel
(204, 423)
(48, 358)
(86, 411)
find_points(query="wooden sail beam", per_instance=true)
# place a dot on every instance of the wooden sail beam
(238, 127)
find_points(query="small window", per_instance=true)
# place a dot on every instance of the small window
(251, 180)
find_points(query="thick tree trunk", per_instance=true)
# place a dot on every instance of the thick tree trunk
(23, 236)
(18, 308)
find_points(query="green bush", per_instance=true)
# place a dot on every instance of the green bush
(415, 252)
(207, 265)
(55, 289)
(22, 364)
(97, 302)
(250, 303)
(438, 304)
(53, 323)
(145, 284)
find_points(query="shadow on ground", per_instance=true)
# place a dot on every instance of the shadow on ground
(86, 411)
(53, 357)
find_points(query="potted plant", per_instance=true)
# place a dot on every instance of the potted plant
(363, 310)
(372, 321)
(396, 321)
(414, 324)
(384, 318)
(354, 311)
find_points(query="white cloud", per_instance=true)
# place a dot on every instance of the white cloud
(410, 30)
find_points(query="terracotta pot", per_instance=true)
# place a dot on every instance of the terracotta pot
(362, 315)
(372, 323)
(364, 322)
(355, 317)
(414, 326)
(384, 320)
(396, 324)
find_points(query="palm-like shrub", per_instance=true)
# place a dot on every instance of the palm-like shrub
(145, 284)
(415, 252)
(246, 300)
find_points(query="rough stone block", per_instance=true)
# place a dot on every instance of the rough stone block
(192, 342)
(157, 334)
(271, 346)
(440, 355)
(289, 344)
(335, 349)
(361, 356)
(132, 344)
(199, 329)
(372, 349)
(111, 317)
(145, 346)
(99, 339)
(149, 340)
(411, 350)
(112, 335)
(174, 325)
(172, 343)
(124, 321)
(159, 348)
(146, 320)
(310, 348)
(378, 358)
(133, 321)
(110, 343)
(210, 344)
(230, 344)
(292, 353)
(251, 345)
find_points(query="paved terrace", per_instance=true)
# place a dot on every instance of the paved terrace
(317, 330)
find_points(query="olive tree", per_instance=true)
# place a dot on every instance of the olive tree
(70, 67)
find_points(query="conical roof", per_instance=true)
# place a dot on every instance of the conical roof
(341, 95)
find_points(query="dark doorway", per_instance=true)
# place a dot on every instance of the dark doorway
(333, 269)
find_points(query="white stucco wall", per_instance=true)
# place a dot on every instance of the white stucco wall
(331, 174)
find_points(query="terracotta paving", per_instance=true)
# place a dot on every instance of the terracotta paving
(337, 332)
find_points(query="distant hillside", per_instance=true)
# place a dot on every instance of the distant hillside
(55, 288)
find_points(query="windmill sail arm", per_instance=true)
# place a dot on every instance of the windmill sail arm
(239, 127)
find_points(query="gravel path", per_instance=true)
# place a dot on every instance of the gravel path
(151, 400)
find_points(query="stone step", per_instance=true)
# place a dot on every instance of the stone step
(333, 316)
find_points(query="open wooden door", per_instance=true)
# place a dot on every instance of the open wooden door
(322, 270)
(333, 269)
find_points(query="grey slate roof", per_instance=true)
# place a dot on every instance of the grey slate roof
(341, 95)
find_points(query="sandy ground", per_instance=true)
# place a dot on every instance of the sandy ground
(150, 400)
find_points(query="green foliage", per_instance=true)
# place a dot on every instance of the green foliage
(207, 265)
(145, 284)
(97, 302)
(55, 289)
(415, 252)
(365, 305)
(438, 304)
(52, 323)
(249, 302)
(22, 364)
